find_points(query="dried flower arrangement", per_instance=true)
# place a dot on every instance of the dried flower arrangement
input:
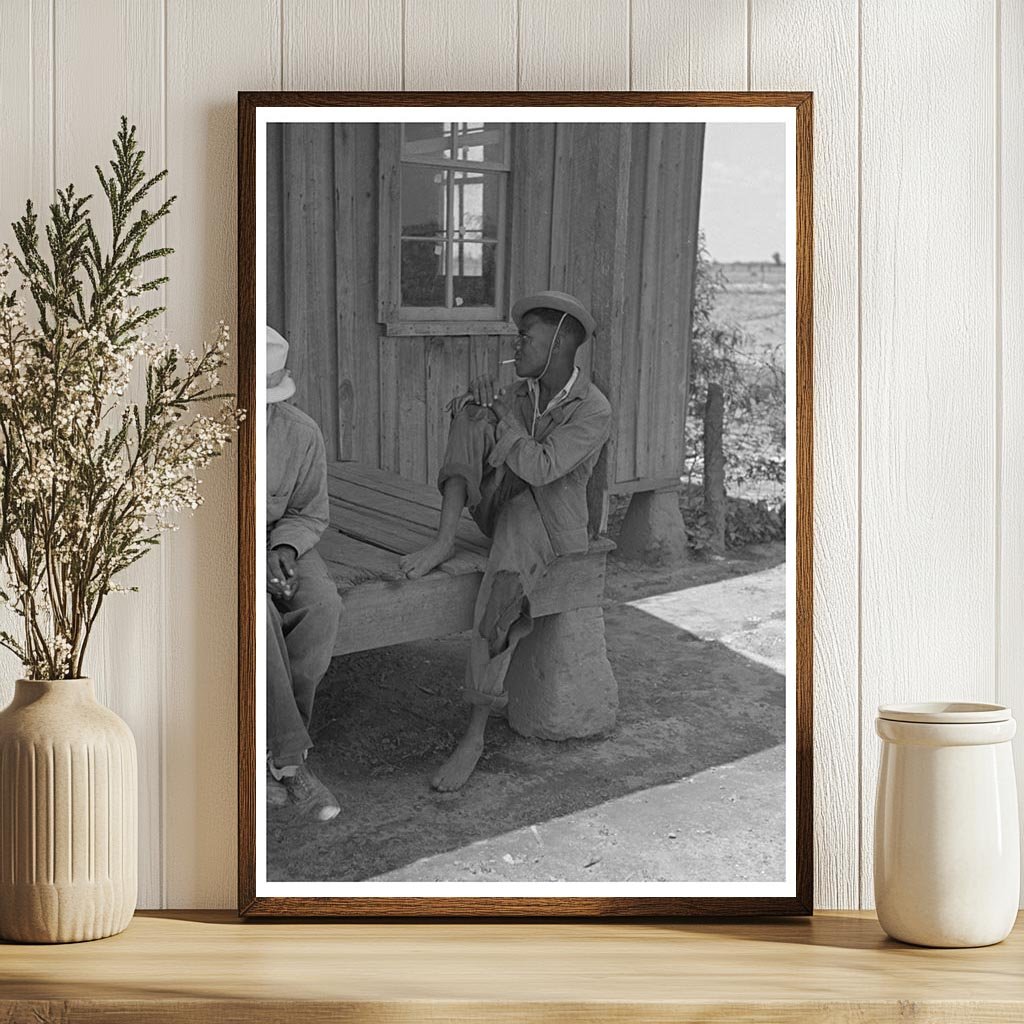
(90, 477)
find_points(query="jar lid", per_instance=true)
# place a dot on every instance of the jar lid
(945, 712)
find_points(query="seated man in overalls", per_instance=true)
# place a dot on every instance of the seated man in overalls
(303, 605)
(520, 460)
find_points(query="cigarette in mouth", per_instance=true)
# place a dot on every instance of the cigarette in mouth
(504, 361)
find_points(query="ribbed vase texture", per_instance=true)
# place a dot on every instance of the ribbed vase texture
(68, 815)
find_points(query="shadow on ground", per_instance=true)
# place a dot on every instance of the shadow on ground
(385, 719)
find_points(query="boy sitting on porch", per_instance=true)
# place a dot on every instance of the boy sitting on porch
(520, 460)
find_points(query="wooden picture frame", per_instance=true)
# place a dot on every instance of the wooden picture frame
(798, 900)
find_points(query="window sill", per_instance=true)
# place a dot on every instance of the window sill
(448, 328)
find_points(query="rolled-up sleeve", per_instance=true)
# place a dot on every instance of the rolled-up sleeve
(308, 511)
(568, 444)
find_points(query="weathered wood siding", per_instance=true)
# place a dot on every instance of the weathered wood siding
(322, 276)
(607, 212)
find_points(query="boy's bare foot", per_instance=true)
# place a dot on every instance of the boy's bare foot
(454, 772)
(419, 563)
(457, 769)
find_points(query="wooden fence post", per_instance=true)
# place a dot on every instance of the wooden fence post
(714, 468)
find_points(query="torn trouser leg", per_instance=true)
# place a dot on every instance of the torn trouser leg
(519, 557)
(504, 508)
(471, 440)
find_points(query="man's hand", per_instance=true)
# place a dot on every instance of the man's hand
(483, 389)
(281, 580)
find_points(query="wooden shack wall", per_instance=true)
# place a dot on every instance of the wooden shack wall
(607, 212)
(661, 238)
(322, 276)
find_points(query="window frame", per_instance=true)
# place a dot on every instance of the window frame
(402, 320)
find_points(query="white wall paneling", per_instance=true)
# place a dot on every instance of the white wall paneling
(213, 51)
(919, 305)
(574, 44)
(780, 59)
(26, 161)
(26, 105)
(1009, 313)
(701, 44)
(126, 657)
(928, 519)
(467, 45)
(341, 44)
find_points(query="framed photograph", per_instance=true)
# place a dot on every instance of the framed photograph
(525, 497)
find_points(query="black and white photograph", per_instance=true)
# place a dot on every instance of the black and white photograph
(525, 470)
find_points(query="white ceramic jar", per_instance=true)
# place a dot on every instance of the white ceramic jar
(947, 846)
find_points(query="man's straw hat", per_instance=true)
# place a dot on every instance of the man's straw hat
(279, 381)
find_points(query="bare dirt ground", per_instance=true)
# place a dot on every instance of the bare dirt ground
(689, 786)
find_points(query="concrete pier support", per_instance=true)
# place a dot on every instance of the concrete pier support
(653, 531)
(560, 684)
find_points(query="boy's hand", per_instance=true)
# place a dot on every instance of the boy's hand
(483, 390)
(281, 580)
(502, 404)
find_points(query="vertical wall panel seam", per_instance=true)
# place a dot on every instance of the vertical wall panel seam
(997, 218)
(860, 459)
(53, 97)
(280, 40)
(629, 37)
(519, 44)
(750, 19)
(402, 43)
(32, 91)
(162, 695)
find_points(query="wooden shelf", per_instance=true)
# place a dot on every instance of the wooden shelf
(208, 966)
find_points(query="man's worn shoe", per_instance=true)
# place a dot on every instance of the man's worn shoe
(277, 795)
(308, 795)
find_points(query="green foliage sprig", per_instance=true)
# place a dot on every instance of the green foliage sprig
(89, 477)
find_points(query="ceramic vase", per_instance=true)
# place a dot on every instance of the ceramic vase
(947, 846)
(68, 815)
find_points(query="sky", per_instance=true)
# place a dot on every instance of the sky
(743, 201)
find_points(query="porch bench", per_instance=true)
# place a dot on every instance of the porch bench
(377, 516)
